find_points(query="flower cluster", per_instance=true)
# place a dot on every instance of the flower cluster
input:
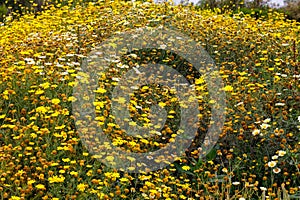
(42, 58)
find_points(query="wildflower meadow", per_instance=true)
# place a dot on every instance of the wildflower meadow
(50, 150)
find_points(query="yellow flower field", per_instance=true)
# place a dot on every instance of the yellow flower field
(42, 156)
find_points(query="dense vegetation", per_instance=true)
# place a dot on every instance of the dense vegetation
(256, 8)
(41, 153)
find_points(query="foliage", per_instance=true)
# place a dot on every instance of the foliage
(293, 10)
(17, 8)
(3, 12)
(257, 13)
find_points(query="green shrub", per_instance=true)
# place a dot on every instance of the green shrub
(3, 12)
(293, 10)
(19, 7)
(258, 13)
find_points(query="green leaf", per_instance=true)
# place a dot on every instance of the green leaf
(212, 154)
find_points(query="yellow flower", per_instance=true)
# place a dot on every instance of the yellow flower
(199, 80)
(39, 91)
(30, 182)
(132, 123)
(99, 104)
(225, 170)
(74, 173)
(66, 159)
(45, 85)
(121, 100)
(112, 175)
(60, 127)
(81, 187)
(42, 109)
(124, 179)
(100, 90)
(15, 198)
(40, 187)
(56, 179)
(20, 172)
(71, 98)
(258, 64)
(89, 173)
(186, 168)
(162, 104)
(73, 162)
(33, 135)
(65, 112)
(55, 101)
(85, 154)
(228, 88)
(111, 124)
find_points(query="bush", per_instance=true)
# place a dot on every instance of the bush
(293, 10)
(18, 8)
(254, 12)
(3, 12)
